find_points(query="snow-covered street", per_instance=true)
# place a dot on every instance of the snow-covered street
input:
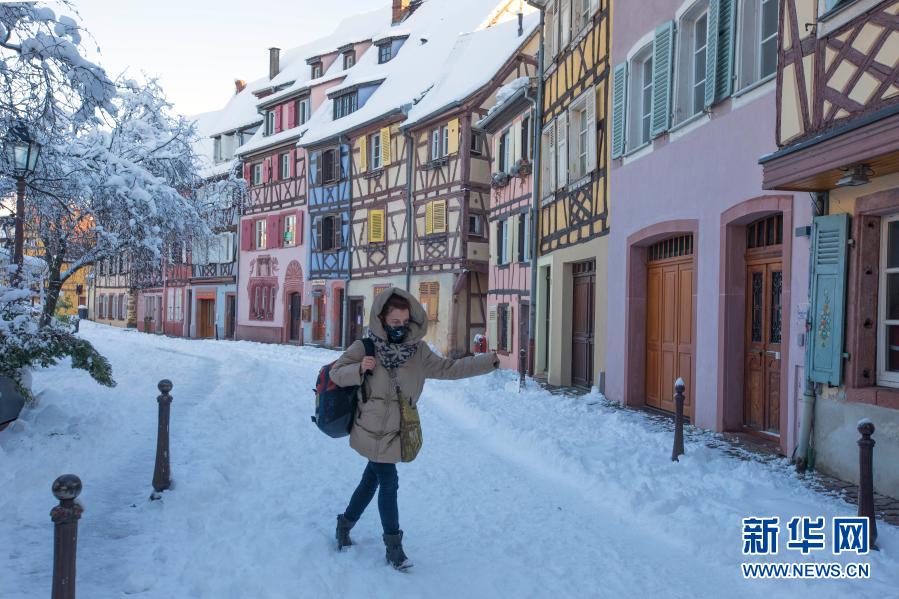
(513, 495)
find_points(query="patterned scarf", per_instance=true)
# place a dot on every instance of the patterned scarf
(392, 355)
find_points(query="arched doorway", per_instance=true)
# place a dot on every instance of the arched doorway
(293, 303)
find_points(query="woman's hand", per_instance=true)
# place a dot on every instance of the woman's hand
(495, 360)
(368, 364)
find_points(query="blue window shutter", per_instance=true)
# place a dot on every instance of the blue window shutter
(727, 32)
(662, 57)
(619, 109)
(830, 243)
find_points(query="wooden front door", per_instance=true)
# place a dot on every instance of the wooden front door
(764, 292)
(357, 319)
(295, 309)
(206, 319)
(583, 308)
(318, 325)
(669, 321)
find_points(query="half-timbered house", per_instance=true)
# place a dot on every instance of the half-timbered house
(368, 181)
(276, 303)
(111, 293)
(510, 126)
(837, 131)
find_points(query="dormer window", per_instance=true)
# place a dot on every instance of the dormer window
(270, 122)
(345, 104)
(385, 53)
(317, 70)
(304, 110)
(217, 145)
(349, 60)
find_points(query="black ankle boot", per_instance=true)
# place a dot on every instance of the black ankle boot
(343, 532)
(395, 555)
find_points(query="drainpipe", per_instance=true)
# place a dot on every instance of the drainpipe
(803, 454)
(344, 325)
(535, 190)
(410, 215)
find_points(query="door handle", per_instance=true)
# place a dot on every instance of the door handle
(755, 351)
(775, 354)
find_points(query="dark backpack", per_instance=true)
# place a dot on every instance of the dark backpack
(335, 407)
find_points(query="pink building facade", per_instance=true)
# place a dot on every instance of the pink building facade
(510, 129)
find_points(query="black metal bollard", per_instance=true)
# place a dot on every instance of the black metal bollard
(65, 518)
(162, 474)
(522, 367)
(678, 450)
(866, 479)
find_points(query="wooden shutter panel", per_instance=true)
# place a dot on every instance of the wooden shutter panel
(515, 143)
(363, 153)
(385, 147)
(439, 216)
(338, 232)
(319, 226)
(246, 173)
(590, 115)
(271, 231)
(662, 57)
(550, 159)
(293, 163)
(246, 235)
(491, 328)
(266, 165)
(453, 133)
(512, 238)
(300, 227)
(508, 328)
(376, 226)
(429, 218)
(494, 228)
(830, 241)
(723, 36)
(711, 52)
(562, 150)
(277, 112)
(496, 160)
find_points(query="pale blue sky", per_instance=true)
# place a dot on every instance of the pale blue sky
(198, 47)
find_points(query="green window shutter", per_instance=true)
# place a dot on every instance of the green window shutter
(711, 52)
(662, 57)
(724, 67)
(619, 107)
(830, 242)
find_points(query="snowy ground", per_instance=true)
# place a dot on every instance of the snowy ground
(513, 495)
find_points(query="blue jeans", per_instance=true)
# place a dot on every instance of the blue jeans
(377, 476)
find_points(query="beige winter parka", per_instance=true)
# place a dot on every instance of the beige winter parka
(376, 431)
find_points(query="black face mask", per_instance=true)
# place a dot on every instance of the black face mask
(396, 334)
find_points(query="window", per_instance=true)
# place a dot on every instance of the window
(435, 144)
(217, 148)
(693, 44)
(582, 13)
(888, 304)
(260, 235)
(328, 169)
(502, 242)
(640, 109)
(349, 59)
(524, 243)
(504, 326)
(505, 151)
(445, 135)
(374, 159)
(758, 46)
(385, 53)
(269, 122)
(257, 173)
(290, 230)
(303, 110)
(376, 226)
(284, 159)
(767, 38)
(564, 23)
(317, 70)
(526, 138)
(476, 225)
(477, 143)
(379, 289)
(580, 140)
(330, 236)
(345, 104)
(435, 217)
(429, 296)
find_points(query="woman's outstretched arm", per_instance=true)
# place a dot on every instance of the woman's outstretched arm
(462, 368)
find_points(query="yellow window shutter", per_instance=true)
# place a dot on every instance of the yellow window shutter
(429, 218)
(453, 130)
(491, 328)
(385, 146)
(363, 153)
(376, 226)
(439, 216)
(433, 299)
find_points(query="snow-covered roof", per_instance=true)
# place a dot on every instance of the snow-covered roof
(438, 34)
(260, 141)
(474, 61)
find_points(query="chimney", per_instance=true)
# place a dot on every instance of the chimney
(274, 62)
(239, 86)
(520, 23)
(400, 10)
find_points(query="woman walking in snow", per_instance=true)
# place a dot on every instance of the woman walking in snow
(397, 373)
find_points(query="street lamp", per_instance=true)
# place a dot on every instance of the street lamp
(22, 153)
